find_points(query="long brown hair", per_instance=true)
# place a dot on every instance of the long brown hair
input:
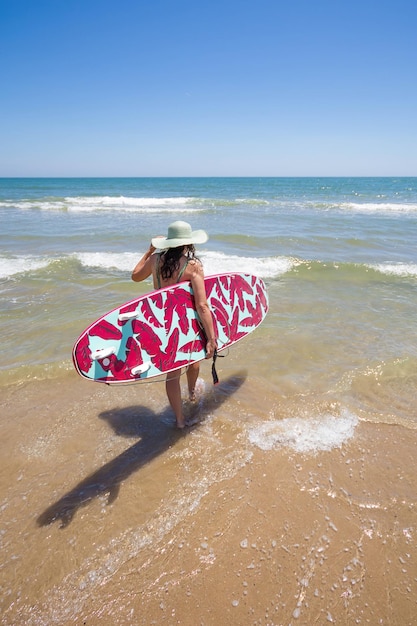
(170, 259)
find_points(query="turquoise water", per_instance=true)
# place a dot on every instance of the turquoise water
(339, 256)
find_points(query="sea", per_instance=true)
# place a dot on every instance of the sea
(339, 257)
(337, 349)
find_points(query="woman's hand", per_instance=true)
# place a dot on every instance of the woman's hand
(143, 268)
(211, 346)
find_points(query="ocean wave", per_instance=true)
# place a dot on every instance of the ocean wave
(26, 205)
(121, 261)
(379, 207)
(107, 203)
(265, 267)
(122, 203)
(231, 202)
(214, 263)
(143, 204)
(10, 266)
(325, 270)
(305, 435)
(402, 270)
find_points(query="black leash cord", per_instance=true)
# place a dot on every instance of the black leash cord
(213, 367)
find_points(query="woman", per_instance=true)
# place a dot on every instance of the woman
(177, 262)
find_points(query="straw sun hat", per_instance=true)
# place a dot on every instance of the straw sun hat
(179, 234)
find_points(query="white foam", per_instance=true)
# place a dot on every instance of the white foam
(396, 269)
(107, 203)
(190, 204)
(265, 267)
(18, 265)
(26, 205)
(123, 203)
(379, 207)
(214, 262)
(123, 261)
(305, 434)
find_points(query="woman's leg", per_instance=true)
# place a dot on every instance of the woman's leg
(193, 371)
(173, 389)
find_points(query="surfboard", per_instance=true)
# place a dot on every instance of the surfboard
(160, 332)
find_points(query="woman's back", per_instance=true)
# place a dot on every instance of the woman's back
(184, 268)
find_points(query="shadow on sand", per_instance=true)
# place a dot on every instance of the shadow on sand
(155, 433)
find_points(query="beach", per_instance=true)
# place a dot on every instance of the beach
(292, 499)
(115, 518)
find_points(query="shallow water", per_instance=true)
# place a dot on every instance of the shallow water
(298, 476)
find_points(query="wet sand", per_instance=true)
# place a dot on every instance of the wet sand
(111, 516)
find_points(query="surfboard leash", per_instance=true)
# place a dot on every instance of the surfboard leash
(213, 367)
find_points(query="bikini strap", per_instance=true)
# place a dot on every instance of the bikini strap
(182, 270)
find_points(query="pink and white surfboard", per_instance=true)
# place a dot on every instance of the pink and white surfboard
(160, 332)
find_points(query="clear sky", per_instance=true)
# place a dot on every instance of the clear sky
(208, 88)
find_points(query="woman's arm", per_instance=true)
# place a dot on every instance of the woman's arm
(143, 268)
(202, 307)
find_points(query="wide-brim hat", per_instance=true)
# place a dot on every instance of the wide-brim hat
(179, 234)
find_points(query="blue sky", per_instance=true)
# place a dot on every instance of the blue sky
(219, 88)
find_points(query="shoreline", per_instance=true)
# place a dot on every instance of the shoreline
(196, 528)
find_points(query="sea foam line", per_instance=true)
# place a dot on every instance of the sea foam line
(379, 207)
(214, 263)
(122, 203)
(107, 203)
(404, 270)
(265, 267)
(20, 265)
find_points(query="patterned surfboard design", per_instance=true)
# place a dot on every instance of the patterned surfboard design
(160, 331)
